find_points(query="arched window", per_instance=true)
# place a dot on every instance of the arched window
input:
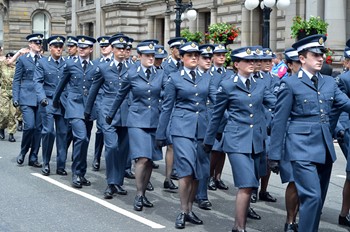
(41, 24)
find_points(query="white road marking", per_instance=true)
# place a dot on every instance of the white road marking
(341, 176)
(102, 202)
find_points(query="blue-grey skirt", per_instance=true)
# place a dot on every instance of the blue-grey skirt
(142, 144)
(245, 169)
(187, 153)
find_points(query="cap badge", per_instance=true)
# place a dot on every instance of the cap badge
(248, 51)
(257, 51)
(58, 39)
(182, 41)
(208, 49)
(267, 52)
(321, 41)
(70, 39)
(193, 45)
(121, 40)
(160, 50)
(150, 46)
(103, 40)
(83, 40)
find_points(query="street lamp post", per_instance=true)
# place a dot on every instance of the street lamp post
(181, 8)
(266, 6)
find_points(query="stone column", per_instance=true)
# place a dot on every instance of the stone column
(245, 27)
(74, 18)
(150, 28)
(335, 16)
(273, 29)
(315, 8)
(213, 15)
(166, 31)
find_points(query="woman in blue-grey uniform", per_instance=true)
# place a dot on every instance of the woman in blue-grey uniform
(185, 98)
(243, 97)
(145, 82)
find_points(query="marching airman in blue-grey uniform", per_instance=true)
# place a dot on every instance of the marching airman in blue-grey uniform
(77, 76)
(48, 73)
(106, 56)
(128, 56)
(306, 99)
(107, 79)
(185, 109)
(22, 91)
(159, 56)
(145, 83)
(244, 98)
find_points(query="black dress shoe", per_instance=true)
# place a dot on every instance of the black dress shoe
(2, 134)
(344, 221)
(265, 196)
(221, 185)
(253, 197)
(20, 126)
(46, 170)
(252, 214)
(35, 164)
(84, 181)
(149, 186)
(11, 138)
(128, 174)
(138, 203)
(95, 165)
(20, 159)
(110, 190)
(290, 227)
(120, 190)
(180, 221)
(169, 184)
(76, 182)
(154, 165)
(191, 217)
(211, 184)
(174, 175)
(204, 204)
(237, 230)
(146, 202)
(61, 172)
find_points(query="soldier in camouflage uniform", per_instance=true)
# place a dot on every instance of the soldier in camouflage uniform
(7, 110)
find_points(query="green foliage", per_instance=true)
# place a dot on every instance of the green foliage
(313, 24)
(222, 33)
(194, 37)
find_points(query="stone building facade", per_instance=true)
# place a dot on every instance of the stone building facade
(143, 19)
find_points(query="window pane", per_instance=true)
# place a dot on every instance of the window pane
(41, 24)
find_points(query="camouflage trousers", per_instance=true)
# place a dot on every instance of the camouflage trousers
(7, 112)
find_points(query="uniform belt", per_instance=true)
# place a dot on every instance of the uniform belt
(6, 87)
(315, 118)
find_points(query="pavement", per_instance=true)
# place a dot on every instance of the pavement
(31, 202)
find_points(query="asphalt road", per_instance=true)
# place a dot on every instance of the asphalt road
(32, 202)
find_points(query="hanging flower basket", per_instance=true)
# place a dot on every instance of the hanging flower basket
(222, 33)
(302, 28)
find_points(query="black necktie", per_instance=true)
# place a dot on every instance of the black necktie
(36, 59)
(178, 64)
(108, 59)
(74, 57)
(120, 66)
(193, 74)
(247, 83)
(255, 76)
(314, 79)
(219, 70)
(57, 63)
(84, 65)
(148, 73)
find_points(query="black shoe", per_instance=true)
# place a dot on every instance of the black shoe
(265, 196)
(290, 227)
(120, 190)
(20, 126)
(138, 203)
(253, 197)
(128, 174)
(46, 170)
(34, 164)
(2, 134)
(191, 217)
(204, 204)
(110, 190)
(221, 185)
(61, 172)
(169, 184)
(154, 165)
(11, 138)
(252, 214)
(76, 182)
(237, 230)
(146, 202)
(96, 165)
(20, 159)
(180, 221)
(211, 184)
(344, 221)
(174, 175)
(149, 186)
(84, 181)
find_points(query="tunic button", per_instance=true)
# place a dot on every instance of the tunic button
(149, 98)
(197, 112)
(149, 90)
(250, 105)
(318, 93)
(251, 126)
(305, 100)
(83, 87)
(120, 83)
(147, 83)
(149, 106)
(321, 110)
(195, 85)
(249, 95)
(320, 101)
(251, 115)
(196, 94)
(197, 103)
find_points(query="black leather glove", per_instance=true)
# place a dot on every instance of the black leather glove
(160, 143)
(56, 104)
(218, 136)
(274, 166)
(109, 120)
(44, 102)
(207, 148)
(87, 116)
(15, 104)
